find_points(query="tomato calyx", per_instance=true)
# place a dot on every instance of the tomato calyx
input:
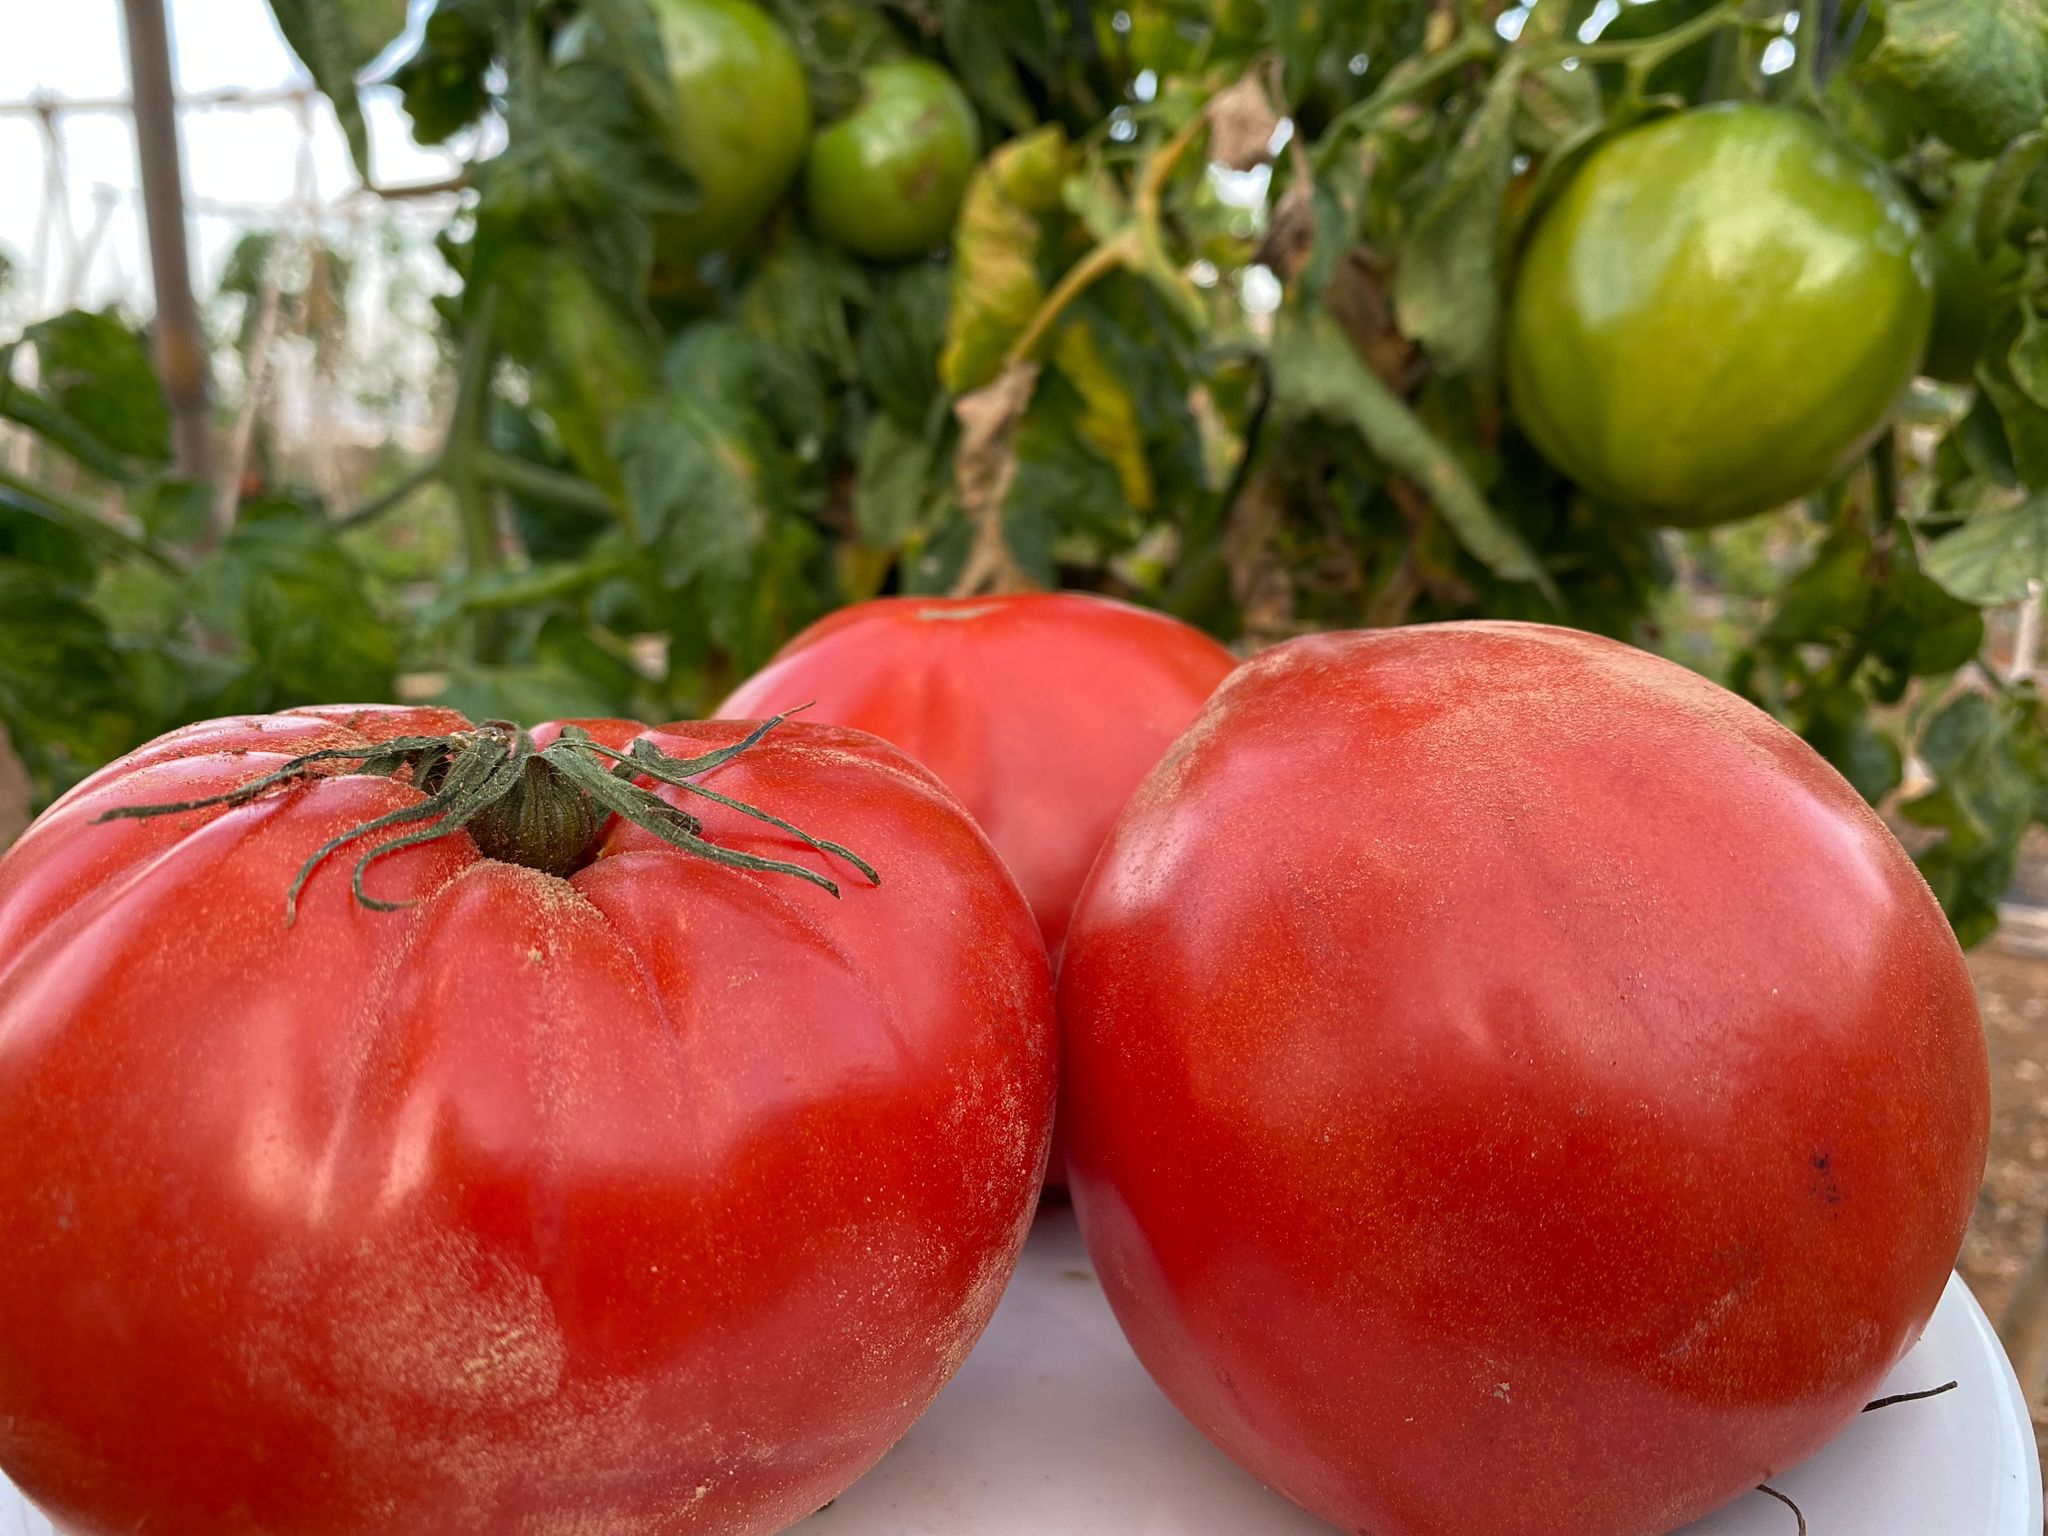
(541, 807)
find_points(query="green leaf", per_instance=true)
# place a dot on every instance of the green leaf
(2028, 358)
(446, 81)
(99, 372)
(2005, 187)
(1980, 441)
(548, 530)
(890, 482)
(1315, 371)
(1885, 608)
(34, 533)
(803, 296)
(1108, 421)
(335, 39)
(99, 399)
(704, 480)
(63, 698)
(585, 172)
(900, 339)
(590, 356)
(1557, 107)
(529, 692)
(287, 591)
(1830, 597)
(996, 281)
(1919, 628)
(174, 511)
(628, 36)
(1840, 728)
(1447, 287)
(2025, 422)
(985, 67)
(718, 359)
(1972, 72)
(1063, 483)
(746, 616)
(1983, 801)
(1990, 560)
(571, 675)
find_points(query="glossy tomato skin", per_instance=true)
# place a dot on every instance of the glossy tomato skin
(1717, 314)
(1041, 711)
(885, 181)
(660, 1199)
(1513, 1085)
(742, 118)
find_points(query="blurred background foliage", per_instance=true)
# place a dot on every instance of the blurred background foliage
(1200, 303)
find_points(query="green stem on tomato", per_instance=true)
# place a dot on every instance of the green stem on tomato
(539, 807)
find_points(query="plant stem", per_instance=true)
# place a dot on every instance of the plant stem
(1403, 84)
(1817, 47)
(1140, 243)
(23, 496)
(1108, 257)
(1642, 56)
(523, 477)
(390, 500)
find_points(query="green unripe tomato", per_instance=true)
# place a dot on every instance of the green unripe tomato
(742, 118)
(885, 181)
(1972, 296)
(1717, 314)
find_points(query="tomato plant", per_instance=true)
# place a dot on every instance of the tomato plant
(738, 119)
(1270, 316)
(1973, 296)
(1718, 314)
(885, 180)
(1513, 1085)
(563, 1175)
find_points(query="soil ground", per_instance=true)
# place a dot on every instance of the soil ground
(2012, 989)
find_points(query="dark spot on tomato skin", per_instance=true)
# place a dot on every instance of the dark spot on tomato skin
(1826, 1187)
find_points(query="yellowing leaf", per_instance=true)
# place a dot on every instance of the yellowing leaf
(996, 286)
(1109, 422)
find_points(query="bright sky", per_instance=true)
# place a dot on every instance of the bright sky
(239, 164)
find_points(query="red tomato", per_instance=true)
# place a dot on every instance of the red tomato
(1041, 712)
(657, 1199)
(1513, 1085)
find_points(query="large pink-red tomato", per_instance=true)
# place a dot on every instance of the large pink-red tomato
(1514, 1086)
(1041, 712)
(657, 1200)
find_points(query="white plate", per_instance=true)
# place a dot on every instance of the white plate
(1053, 1429)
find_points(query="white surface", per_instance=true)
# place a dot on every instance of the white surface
(1053, 1429)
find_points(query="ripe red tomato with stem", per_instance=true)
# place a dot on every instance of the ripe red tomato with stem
(587, 1182)
(1041, 711)
(1513, 1085)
